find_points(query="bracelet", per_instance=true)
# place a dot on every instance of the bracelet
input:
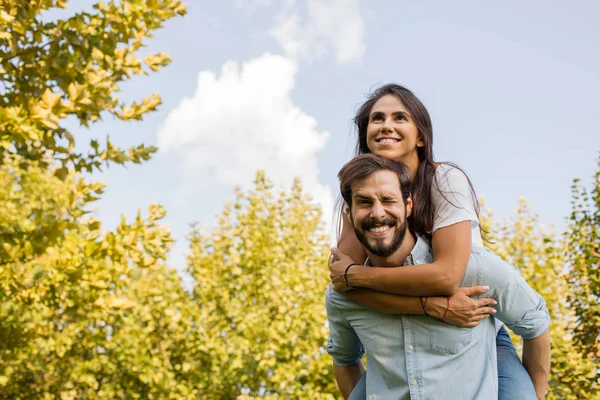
(424, 306)
(346, 276)
(447, 309)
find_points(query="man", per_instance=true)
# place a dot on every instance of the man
(416, 356)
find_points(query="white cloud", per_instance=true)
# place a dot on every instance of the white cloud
(242, 121)
(336, 24)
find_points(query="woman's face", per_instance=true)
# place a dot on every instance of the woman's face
(391, 131)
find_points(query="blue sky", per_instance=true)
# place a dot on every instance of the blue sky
(512, 88)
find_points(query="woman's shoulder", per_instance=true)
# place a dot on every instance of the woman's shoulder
(447, 174)
(448, 168)
(452, 198)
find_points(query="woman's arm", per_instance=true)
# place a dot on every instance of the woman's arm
(464, 311)
(451, 249)
(349, 243)
(386, 303)
(351, 250)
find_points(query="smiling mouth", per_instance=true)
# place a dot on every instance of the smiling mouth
(379, 230)
(386, 140)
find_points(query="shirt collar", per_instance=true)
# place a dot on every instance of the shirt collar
(419, 251)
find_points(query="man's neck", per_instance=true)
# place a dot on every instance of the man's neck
(396, 259)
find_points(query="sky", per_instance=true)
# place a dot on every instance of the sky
(512, 88)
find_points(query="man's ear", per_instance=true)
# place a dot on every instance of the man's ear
(409, 206)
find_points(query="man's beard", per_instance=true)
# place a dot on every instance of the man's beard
(379, 248)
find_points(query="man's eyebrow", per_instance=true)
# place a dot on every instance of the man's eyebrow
(361, 197)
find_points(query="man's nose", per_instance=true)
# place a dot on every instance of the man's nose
(377, 211)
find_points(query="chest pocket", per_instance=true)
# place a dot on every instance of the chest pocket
(448, 339)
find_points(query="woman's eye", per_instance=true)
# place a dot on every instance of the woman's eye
(376, 118)
(401, 118)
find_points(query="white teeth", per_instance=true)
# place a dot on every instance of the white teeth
(380, 228)
(388, 141)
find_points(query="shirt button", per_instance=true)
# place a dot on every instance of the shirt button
(414, 382)
(410, 347)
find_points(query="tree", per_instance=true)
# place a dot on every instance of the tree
(583, 256)
(540, 257)
(85, 314)
(260, 284)
(72, 68)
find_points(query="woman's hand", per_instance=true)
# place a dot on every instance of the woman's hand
(464, 311)
(338, 262)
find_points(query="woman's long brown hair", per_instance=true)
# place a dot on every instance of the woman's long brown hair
(421, 220)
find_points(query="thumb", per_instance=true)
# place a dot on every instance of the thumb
(337, 253)
(475, 290)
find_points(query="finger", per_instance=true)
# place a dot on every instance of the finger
(331, 259)
(480, 317)
(473, 322)
(337, 253)
(475, 290)
(486, 311)
(334, 266)
(486, 301)
(339, 289)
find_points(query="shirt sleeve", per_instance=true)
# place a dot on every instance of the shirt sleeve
(521, 308)
(343, 344)
(452, 198)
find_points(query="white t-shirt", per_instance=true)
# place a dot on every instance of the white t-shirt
(452, 201)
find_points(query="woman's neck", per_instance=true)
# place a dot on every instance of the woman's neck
(412, 162)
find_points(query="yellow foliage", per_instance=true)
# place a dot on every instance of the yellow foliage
(583, 272)
(541, 257)
(83, 314)
(73, 68)
(86, 313)
(260, 281)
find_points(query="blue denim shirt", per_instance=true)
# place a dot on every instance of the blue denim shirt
(418, 357)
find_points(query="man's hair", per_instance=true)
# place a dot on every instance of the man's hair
(365, 165)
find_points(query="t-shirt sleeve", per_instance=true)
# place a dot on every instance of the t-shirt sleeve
(452, 198)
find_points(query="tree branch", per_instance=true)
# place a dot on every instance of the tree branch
(29, 50)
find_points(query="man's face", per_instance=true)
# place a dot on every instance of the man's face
(379, 213)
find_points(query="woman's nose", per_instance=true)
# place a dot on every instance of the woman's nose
(387, 125)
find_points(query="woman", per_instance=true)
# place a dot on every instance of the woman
(395, 124)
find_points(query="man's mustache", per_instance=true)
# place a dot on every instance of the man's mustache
(371, 223)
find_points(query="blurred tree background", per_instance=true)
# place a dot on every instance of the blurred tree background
(90, 313)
